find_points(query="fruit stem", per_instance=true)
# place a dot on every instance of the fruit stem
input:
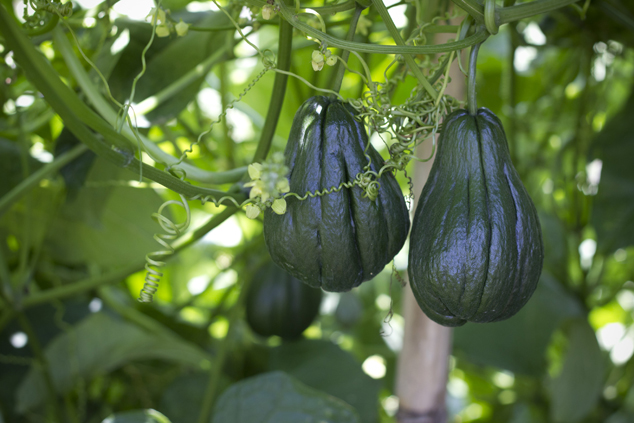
(341, 68)
(471, 81)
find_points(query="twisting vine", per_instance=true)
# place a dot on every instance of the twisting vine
(407, 124)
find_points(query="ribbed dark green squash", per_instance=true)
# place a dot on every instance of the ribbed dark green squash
(476, 247)
(278, 304)
(341, 239)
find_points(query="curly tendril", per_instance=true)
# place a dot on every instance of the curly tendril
(153, 260)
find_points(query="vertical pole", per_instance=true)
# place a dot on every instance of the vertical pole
(423, 364)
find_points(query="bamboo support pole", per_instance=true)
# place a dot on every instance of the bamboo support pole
(423, 363)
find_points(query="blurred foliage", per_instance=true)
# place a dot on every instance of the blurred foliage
(75, 346)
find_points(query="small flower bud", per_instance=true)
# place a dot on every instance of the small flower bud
(255, 191)
(317, 66)
(279, 206)
(282, 185)
(255, 170)
(253, 211)
(160, 17)
(162, 30)
(267, 12)
(278, 157)
(182, 28)
(331, 61)
(318, 56)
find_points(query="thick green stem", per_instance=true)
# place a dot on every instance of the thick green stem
(82, 121)
(110, 115)
(284, 51)
(471, 81)
(289, 15)
(341, 69)
(23, 187)
(411, 63)
(514, 13)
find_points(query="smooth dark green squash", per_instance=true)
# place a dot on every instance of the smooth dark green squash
(341, 239)
(476, 246)
(278, 304)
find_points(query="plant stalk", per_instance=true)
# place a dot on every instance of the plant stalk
(472, 102)
(285, 47)
(513, 13)
(341, 69)
(289, 15)
(411, 63)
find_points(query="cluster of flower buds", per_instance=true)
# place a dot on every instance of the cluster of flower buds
(268, 185)
(164, 27)
(320, 58)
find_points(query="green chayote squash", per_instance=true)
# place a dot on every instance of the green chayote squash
(338, 240)
(278, 304)
(476, 248)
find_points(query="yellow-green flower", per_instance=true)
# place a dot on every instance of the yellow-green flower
(255, 170)
(253, 211)
(182, 28)
(162, 30)
(279, 206)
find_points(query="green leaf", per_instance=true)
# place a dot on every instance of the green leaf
(323, 365)
(276, 397)
(140, 416)
(519, 343)
(577, 389)
(95, 346)
(108, 222)
(613, 211)
(166, 64)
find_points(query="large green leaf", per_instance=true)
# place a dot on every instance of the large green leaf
(97, 345)
(167, 63)
(140, 416)
(613, 211)
(519, 343)
(576, 390)
(107, 223)
(276, 397)
(325, 366)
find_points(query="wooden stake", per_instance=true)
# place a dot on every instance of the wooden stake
(423, 363)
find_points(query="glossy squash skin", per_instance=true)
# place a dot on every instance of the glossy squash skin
(278, 304)
(476, 248)
(341, 239)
